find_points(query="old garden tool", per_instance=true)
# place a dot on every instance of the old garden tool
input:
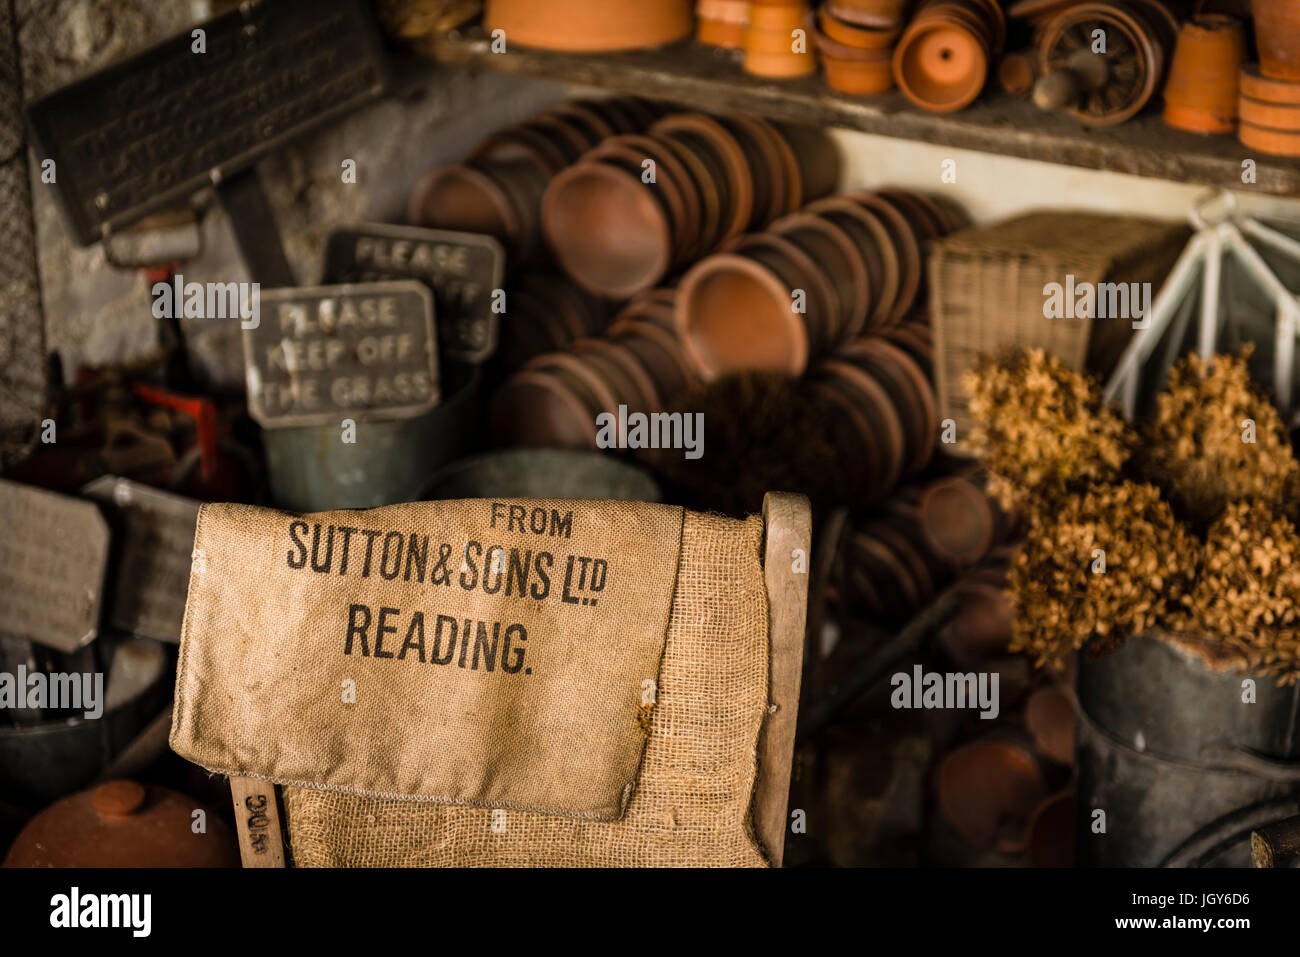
(1220, 228)
(1102, 62)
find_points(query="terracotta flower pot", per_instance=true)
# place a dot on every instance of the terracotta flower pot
(821, 297)
(1268, 140)
(466, 200)
(707, 134)
(859, 77)
(1201, 92)
(855, 35)
(1277, 36)
(580, 25)
(720, 33)
(609, 231)
(940, 64)
(958, 520)
(1259, 87)
(1284, 117)
(778, 17)
(734, 313)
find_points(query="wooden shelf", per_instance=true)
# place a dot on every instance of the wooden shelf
(709, 79)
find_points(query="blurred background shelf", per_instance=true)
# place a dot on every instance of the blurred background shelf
(710, 79)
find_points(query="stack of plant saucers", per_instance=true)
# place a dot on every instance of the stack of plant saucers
(942, 60)
(882, 407)
(498, 189)
(1270, 90)
(635, 209)
(722, 23)
(776, 45)
(556, 397)
(545, 312)
(775, 300)
(857, 45)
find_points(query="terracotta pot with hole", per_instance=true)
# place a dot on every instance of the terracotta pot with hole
(941, 64)
(1277, 37)
(1202, 89)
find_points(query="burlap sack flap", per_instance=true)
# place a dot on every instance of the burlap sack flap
(499, 654)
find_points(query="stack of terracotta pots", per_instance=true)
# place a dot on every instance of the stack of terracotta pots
(776, 42)
(857, 45)
(498, 189)
(1201, 92)
(1270, 90)
(881, 409)
(586, 26)
(555, 399)
(774, 300)
(637, 208)
(961, 521)
(942, 60)
(722, 23)
(546, 312)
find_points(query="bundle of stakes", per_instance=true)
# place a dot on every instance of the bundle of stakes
(1185, 525)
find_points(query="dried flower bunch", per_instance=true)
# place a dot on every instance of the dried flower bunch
(1248, 592)
(1217, 439)
(1043, 429)
(1101, 567)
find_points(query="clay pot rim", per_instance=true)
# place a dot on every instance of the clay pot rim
(828, 46)
(796, 334)
(1261, 85)
(579, 35)
(905, 246)
(657, 219)
(629, 363)
(679, 178)
(774, 165)
(882, 241)
(703, 187)
(740, 182)
(911, 560)
(531, 141)
(866, 445)
(775, 17)
(853, 313)
(1268, 140)
(866, 19)
(571, 401)
(900, 391)
(962, 488)
(810, 273)
(879, 408)
(1259, 109)
(666, 340)
(491, 190)
(923, 393)
(567, 363)
(791, 172)
(854, 36)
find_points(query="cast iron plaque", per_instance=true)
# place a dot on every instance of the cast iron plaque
(321, 354)
(150, 130)
(462, 269)
(156, 534)
(53, 554)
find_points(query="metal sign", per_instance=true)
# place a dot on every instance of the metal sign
(156, 534)
(322, 354)
(53, 554)
(462, 269)
(150, 130)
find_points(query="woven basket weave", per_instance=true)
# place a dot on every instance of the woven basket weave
(987, 288)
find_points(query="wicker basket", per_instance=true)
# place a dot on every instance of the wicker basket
(987, 288)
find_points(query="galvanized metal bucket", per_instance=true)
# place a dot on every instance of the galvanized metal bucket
(1172, 753)
(543, 473)
(312, 469)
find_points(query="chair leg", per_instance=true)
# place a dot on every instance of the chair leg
(257, 819)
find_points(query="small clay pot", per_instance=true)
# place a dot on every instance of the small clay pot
(583, 26)
(777, 17)
(957, 520)
(771, 54)
(465, 200)
(1259, 87)
(720, 33)
(1268, 140)
(1017, 72)
(671, 175)
(987, 791)
(734, 313)
(941, 64)
(859, 77)
(1277, 37)
(1202, 89)
(831, 244)
(802, 272)
(610, 233)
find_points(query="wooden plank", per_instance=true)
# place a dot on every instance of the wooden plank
(786, 560)
(709, 79)
(257, 820)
